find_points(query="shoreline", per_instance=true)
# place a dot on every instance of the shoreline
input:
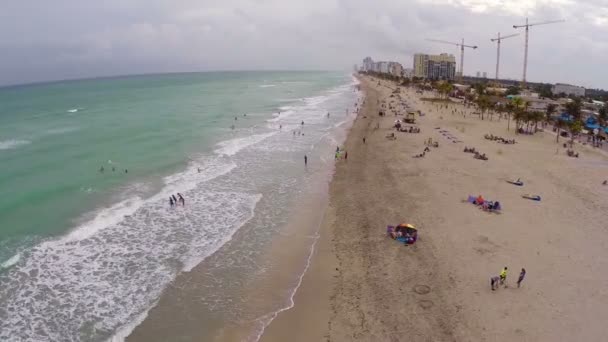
(248, 300)
(363, 286)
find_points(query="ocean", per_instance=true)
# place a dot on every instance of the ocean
(88, 239)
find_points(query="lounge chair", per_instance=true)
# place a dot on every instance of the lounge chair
(531, 197)
(517, 182)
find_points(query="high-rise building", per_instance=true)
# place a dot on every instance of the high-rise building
(434, 67)
(485, 74)
(478, 74)
(368, 64)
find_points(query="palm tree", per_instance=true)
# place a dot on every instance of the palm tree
(483, 102)
(551, 108)
(519, 107)
(558, 125)
(480, 89)
(575, 128)
(536, 117)
(574, 108)
(509, 109)
(603, 116)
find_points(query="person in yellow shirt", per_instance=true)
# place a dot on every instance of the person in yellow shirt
(503, 276)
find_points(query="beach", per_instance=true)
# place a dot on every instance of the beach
(364, 286)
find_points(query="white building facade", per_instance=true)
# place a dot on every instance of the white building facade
(568, 89)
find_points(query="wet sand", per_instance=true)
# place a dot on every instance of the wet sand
(363, 286)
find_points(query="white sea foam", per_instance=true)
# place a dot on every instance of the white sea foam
(123, 332)
(13, 143)
(111, 269)
(233, 146)
(11, 261)
(105, 218)
(116, 274)
(267, 85)
(74, 110)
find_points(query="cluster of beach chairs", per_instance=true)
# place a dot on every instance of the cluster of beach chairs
(476, 154)
(446, 134)
(499, 139)
(406, 129)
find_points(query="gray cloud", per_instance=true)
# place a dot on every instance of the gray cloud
(70, 38)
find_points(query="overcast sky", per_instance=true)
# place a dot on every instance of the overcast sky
(59, 39)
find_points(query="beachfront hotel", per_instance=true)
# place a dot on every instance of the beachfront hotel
(442, 66)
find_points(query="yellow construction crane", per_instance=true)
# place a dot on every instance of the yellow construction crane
(462, 46)
(527, 26)
(499, 39)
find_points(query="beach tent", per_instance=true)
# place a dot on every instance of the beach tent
(591, 123)
(565, 117)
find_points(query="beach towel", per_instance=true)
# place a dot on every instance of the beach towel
(531, 197)
(471, 199)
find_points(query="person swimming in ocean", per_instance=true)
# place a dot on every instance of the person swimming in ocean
(113, 169)
(101, 169)
(126, 171)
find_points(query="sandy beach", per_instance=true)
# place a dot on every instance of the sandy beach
(364, 286)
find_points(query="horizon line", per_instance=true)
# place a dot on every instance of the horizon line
(118, 76)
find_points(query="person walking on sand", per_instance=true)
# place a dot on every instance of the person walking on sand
(305, 160)
(522, 275)
(494, 282)
(345, 155)
(364, 140)
(503, 276)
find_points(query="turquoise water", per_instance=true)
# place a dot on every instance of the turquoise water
(82, 252)
(54, 138)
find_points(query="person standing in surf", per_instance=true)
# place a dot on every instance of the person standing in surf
(305, 160)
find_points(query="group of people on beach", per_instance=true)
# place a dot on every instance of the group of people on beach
(102, 169)
(499, 139)
(174, 201)
(476, 154)
(501, 279)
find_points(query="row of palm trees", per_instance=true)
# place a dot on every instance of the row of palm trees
(515, 109)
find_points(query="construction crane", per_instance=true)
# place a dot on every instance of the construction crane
(527, 26)
(462, 46)
(499, 39)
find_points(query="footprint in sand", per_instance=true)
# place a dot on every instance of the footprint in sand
(422, 289)
(426, 304)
